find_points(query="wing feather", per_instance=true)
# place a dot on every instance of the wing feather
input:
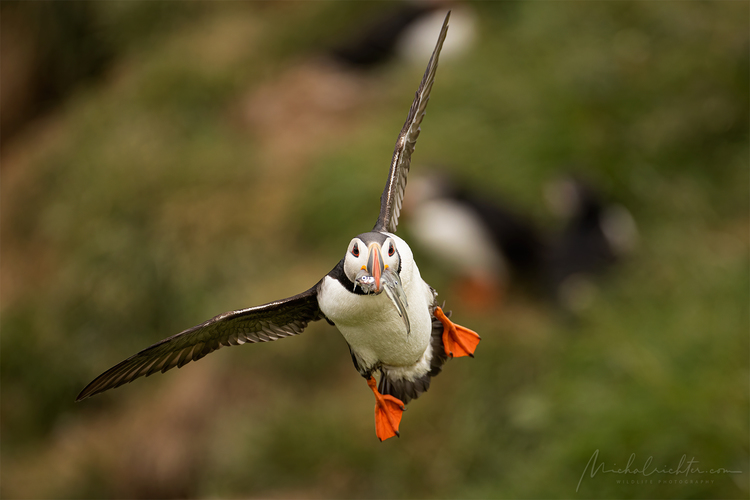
(393, 194)
(265, 323)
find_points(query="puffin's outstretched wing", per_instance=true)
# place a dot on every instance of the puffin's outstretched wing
(393, 195)
(265, 323)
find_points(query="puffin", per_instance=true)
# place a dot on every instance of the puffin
(404, 32)
(486, 242)
(597, 235)
(398, 335)
(375, 43)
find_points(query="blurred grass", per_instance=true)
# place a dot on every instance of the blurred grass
(149, 203)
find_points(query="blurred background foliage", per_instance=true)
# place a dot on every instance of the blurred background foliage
(163, 162)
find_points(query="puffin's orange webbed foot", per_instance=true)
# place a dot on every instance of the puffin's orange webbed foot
(388, 411)
(457, 340)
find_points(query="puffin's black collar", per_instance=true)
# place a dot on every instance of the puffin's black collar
(338, 274)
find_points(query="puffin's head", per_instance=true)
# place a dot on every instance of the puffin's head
(373, 264)
(370, 259)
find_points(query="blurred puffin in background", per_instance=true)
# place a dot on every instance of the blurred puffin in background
(596, 235)
(480, 238)
(489, 245)
(405, 32)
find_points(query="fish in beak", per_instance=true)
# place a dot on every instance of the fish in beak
(395, 292)
(376, 277)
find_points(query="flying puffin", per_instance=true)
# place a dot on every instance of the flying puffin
(402, 334)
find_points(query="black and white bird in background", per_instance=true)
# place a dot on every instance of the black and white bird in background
(488, 244)
(405, 32)
(596, 234)
(375, 296)
(480, 238)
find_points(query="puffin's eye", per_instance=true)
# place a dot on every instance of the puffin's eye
(391, 250)
(355, 250)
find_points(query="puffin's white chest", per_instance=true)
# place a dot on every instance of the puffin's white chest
(371, 324)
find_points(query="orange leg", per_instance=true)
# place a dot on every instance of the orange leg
(388, 412)
(457, 340)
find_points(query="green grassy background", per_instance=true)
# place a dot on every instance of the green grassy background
(172, 189)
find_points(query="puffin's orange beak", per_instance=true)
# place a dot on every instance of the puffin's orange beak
(375, 264)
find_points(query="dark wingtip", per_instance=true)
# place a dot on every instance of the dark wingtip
(83, 395)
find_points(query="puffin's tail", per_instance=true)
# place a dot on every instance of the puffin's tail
(408, 389)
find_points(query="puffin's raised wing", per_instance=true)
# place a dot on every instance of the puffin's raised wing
(393, 195)
(265, 323)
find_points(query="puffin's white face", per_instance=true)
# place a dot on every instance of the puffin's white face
(373, 263)
(366, 260)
